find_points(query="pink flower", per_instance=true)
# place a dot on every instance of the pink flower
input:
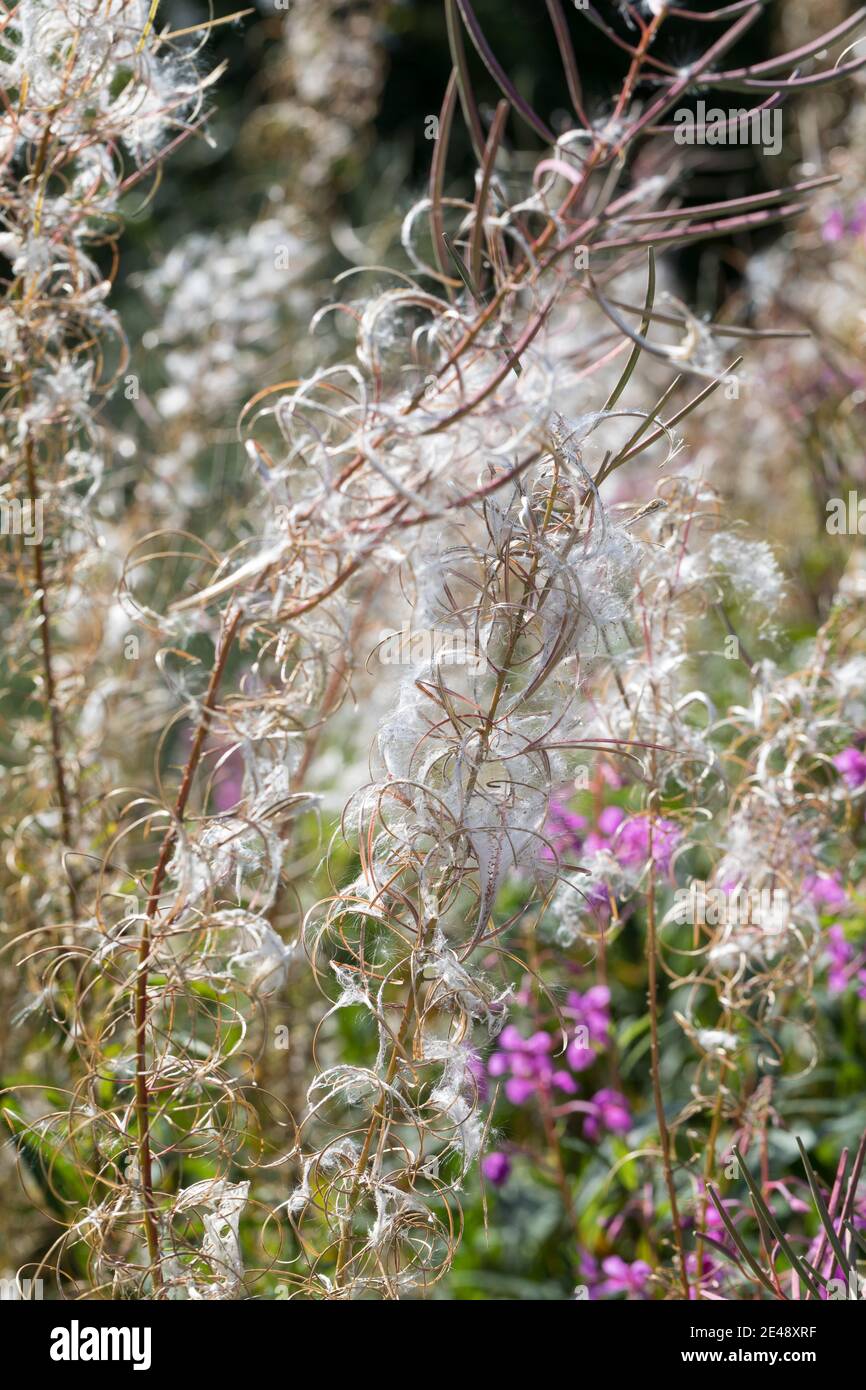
(852, 765)
(632, 844)
(579, 1055)
(527, 1064)
(857, 221)
(496, 1168)
(834, 226)
(624, 1278)
(840, 954)
(611, 819)
(609, 1112)
(565, 830)
(825, 890)
(590, 1011)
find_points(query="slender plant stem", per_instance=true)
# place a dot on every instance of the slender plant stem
(344, 1252)
(709, 1171)
(546, 1109)
(664, 1134)
(142, 1093)
(48, 672)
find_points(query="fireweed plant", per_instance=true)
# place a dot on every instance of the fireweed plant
(757, 811)
(94, 99)
(462, 472)
(230, 309)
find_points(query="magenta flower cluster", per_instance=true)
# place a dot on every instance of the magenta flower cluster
(837, 226)
(590, 1013)
(626, 837)
(531, 1070)
(843, 963)
(826, 891)
(614, 1275)
(566, 832)
(528, 1065)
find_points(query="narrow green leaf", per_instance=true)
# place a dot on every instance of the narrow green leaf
(741, 1245)
(645, 323)
(826, 1219)
(803, 1269)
